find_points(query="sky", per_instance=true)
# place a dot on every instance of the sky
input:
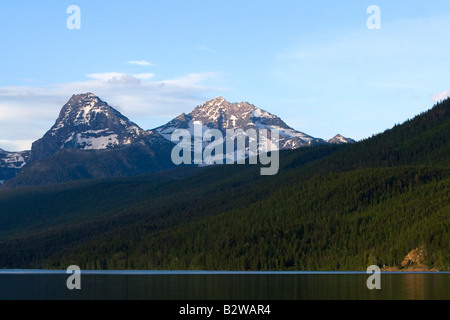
(315, 64)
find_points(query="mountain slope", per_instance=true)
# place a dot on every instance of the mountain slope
(90, 139)
(340, 139)
(326, 223)
(422, 141)
(148, 154)
(11, 163)
(86, 123)
(322, 211)
(222, 115)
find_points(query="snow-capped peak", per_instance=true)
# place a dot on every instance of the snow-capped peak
(81, 109)
(220, 114)
(340, 139)
(13, 160)
(86, 122)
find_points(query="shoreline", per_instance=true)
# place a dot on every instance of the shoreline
(409, 269)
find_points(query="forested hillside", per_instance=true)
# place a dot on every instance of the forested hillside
(328, 208)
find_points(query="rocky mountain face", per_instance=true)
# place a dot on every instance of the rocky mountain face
(339, 139)
(149, 154)
(90, 139)
(222, 115)
(11, 163)
(86, 123)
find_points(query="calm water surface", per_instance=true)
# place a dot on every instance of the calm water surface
(15, 284)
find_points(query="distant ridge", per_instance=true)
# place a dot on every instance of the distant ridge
(330, 207)
(220, 114)
(86, 123)
(91, 139)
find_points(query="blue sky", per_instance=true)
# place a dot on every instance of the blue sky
(313, 63)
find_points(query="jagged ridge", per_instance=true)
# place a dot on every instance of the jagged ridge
(220, 114)
(86, 122)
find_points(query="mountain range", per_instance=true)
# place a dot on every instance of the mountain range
(330, 207)
(91, 139)
(222, 115)
(11, 163)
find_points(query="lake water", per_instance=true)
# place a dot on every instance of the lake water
(154, 285)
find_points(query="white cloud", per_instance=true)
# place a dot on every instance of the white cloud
(144, 76)
(16, 145)
(121, 78)
(441, 96)
(115, 78)
(142, 63)
(27, 112)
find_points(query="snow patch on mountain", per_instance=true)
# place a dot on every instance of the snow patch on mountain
(13, 160)
(87, 123)
(219, 114)
(96, 143)
(339, 139)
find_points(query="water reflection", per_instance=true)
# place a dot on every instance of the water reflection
(225, 286)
